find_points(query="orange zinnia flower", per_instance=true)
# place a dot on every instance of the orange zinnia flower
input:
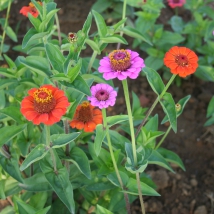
(30, 9)
(181, 61)
(86, 117)
(44, 105)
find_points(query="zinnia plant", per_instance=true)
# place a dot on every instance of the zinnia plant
(103, 95)
(86, 117)
(121, 64)
(44, 105)
(30, 9)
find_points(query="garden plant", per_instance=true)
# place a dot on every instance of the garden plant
(61, 149)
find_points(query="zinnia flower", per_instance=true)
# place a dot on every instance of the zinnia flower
(44, 105)
(181, 61)
(121, 64)
(176, 3)
(86, 117)
(103, 95)
(30, 9)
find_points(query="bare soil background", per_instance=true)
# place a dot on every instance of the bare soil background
(189, 192)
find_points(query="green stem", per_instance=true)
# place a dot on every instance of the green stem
(113, 159)
(94, 55)
(48, 141)
(128, 105)
(154, 104)
(5, 26)
(163, 138)
(58, 29)
(123, 17)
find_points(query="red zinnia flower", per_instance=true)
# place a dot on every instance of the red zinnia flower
(44, 105)
(30, 9)
(176, 3)
(86, 117)
(181, 61)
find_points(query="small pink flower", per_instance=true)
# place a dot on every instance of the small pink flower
(102, 95)
(176, 3)
(121, 64)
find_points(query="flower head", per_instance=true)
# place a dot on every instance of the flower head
(176, 3)
(121, 64)
(103, 95)
(30, 9)
(45, 105)
(181, 61)
(86, 117)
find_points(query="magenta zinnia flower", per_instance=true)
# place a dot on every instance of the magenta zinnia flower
(176, 3)
(121, 64)
(102, 95)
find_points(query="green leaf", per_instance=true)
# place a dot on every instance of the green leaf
(73, 72)
(34, 21)
(7, 82)
(9, 31)
(132, 32)
(102, 210)
(9, 132)
(11, 167)
(177, 23)
(114, 39)
(182, 102)
(101, 25)
(119, 24)
(55, 57)
(100, 134)
(59, 140)
(11, 64)
(36, 183)
(145, 189)
(205, 73)
(31, 36)
(210, 109)
(113, 120)
(13, 112)
(58, 180)
(171, 157)
(60, 77)
(36, 154)
(94, 46)
(94, 77)
(25, 208)
(113, 178)
(101, 5)
(157, 158)
(87, 24)
(170, 38)
(3, 100)
(42, 68)
(154, 80)
(168, 104)
(43, 211)
(41, 197)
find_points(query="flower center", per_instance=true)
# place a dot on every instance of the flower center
(102, 95)
(44, 101)
(85, 113)
(181, 60)
(176, 1)
(120, 60)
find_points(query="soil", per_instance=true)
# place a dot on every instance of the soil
(185, 192)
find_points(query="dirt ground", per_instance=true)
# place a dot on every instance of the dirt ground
(189, 192)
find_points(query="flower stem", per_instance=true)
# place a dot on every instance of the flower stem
(51, 150)
(154, 104)
(163, 138)
(123, 17)
(5, 26)
(91, 62)
(128, 105)
(114, 161)
(58, 29)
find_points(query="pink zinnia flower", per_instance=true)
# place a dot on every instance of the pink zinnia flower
(121, 64)
(176, 3)
(102, 95)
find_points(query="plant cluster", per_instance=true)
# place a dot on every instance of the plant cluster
(60, 151)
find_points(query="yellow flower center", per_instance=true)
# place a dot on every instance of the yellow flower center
(120, 60)
(85, 113)
(44, 101)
